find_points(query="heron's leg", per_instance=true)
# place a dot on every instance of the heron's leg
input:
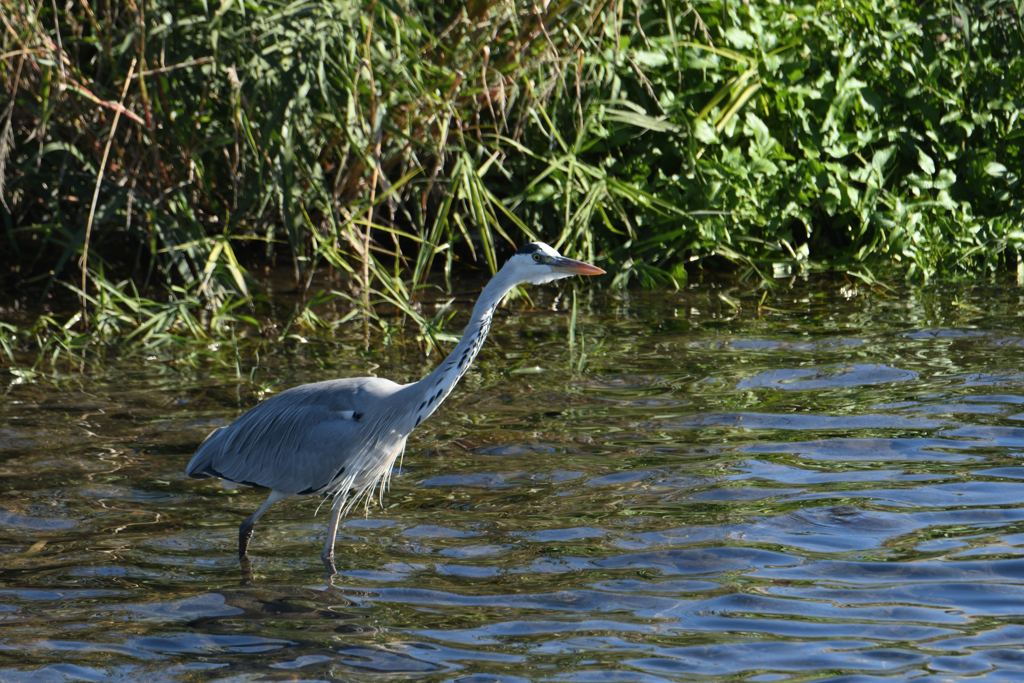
(332, 530)
(245, 564)
(245, 529)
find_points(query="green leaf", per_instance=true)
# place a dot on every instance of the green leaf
(995, 169)
(739, 38)
(829, 200)
(658, 124)
(651, 59)
(705, 132)
(759, 130)
(965, 22)
(945, 179)
(881, 159)
(925, 162)
(764, 166)
(541, 192)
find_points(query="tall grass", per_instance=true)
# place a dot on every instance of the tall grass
(314, 131)
(384, 140)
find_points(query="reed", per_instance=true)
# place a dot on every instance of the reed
(386, 139)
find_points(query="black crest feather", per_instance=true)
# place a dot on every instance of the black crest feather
(528, 248)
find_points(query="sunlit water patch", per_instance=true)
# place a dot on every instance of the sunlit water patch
(825, 488)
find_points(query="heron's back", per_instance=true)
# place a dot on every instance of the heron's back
(308, 437)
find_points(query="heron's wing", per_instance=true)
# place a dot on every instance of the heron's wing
(302, 439)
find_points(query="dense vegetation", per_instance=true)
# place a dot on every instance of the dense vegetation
(154, 154)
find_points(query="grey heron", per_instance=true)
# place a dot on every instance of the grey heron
(341, 437)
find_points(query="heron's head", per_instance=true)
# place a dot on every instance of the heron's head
(538, 263)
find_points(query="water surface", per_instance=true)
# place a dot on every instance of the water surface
(827, 486)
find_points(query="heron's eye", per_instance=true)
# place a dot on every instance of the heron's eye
(536, 257)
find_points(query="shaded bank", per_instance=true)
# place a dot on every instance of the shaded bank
(389, 140)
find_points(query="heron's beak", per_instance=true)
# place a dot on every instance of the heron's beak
(575, 267)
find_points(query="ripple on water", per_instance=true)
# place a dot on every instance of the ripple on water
(807, 379)
(821, 488)
(805, 422)
(852, 450)
(26, 523)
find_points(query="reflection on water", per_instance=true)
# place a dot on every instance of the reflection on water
(828, 488)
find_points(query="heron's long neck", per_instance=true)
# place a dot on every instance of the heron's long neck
(436, 386)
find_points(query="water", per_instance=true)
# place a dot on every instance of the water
(825, 487)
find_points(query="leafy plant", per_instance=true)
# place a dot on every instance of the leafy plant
(183, 148)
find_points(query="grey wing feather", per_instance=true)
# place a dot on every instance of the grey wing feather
(301, 440)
